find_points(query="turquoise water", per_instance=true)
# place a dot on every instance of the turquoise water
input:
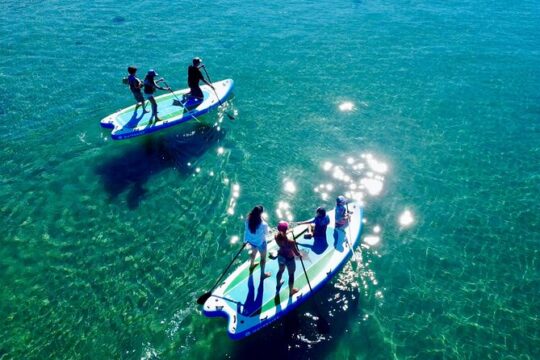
(428, 112)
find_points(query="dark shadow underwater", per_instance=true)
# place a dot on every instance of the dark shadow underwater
(150, 155)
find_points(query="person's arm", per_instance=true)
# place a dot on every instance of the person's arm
(160, 87)
(292, 242)
(201, 77)
(207, 83)
(311, 221)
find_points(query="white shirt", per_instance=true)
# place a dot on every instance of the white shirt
(259, 237)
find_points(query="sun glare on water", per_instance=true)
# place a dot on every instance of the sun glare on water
(346, 106)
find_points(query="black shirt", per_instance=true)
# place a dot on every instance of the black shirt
(194, 76)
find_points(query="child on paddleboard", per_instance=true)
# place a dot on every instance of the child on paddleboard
(255, 233)
(135, 85)
(150, 86)
(286, 256)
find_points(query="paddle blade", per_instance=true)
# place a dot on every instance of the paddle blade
(202, 299)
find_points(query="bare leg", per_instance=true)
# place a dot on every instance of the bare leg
(252, 257)
(278, 276)
(263, 263)
(154, 109)
(292, 289)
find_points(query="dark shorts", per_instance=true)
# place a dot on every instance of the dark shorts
(138, 96)
(290, 263)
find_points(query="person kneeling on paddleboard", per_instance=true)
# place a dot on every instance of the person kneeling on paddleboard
(194, 76)
(317, 225)
(286, 254)
(255, 235)
(150, 86)
(135, 85)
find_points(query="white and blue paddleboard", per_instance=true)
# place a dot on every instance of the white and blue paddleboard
(250, 305)
(127, 123)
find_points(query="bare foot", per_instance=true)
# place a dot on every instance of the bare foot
(266, 275)
(293, 291)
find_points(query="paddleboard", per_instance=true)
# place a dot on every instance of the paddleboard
(127, 123)
(249, 305)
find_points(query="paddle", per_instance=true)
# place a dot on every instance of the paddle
(202, 299)
(322, 324)
(353, 256)
(178, 101)
(220, 103)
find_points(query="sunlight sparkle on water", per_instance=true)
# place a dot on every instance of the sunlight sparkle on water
(372, 240)
(373, 186)
(283, 211)
(234, 239)
(235, 194)
(220, 150)
(338, 173)
(377, 166)
(346, 106)
(327, 166)
(406, 218)
(289, 186)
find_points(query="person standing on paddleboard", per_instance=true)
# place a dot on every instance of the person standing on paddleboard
(135, 85)
(286, 257)
(194, 77)
(255, 234)
(342, 214)
(150, 86)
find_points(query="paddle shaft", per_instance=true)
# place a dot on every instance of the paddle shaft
(210, 81)
(353, 256)
(179, 101)
(227, 269)
(217, 96)
(321, 323)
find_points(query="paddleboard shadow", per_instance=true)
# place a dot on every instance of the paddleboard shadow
(137, 163)
(295, 336)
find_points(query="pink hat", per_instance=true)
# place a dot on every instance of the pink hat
(283, 226)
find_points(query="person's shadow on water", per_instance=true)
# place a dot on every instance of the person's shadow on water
(134, 167)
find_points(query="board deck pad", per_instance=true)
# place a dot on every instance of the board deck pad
(250, 304)
(127, 123)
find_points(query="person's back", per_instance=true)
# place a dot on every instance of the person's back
(342, 216)
(321, 222)
(286, 246)
(149, 85)
(134, 83)
(194, 76)
(259, 236)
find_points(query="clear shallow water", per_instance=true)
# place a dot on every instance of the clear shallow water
(106, 245)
